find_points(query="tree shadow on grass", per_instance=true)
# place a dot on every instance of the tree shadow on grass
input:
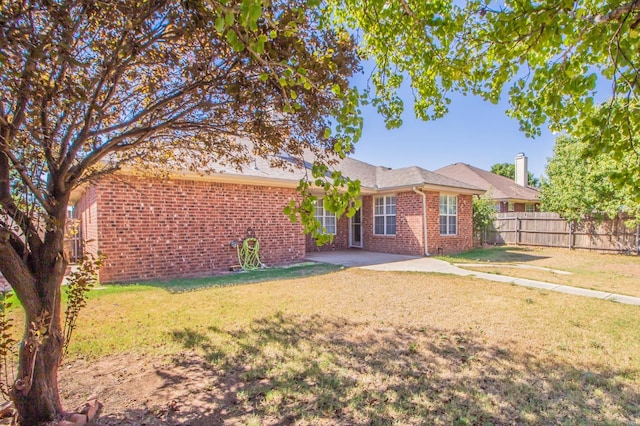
(318, 370)
(499, 254)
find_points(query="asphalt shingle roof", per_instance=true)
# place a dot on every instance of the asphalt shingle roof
(380, 178)
(417, 176)
(371, 177)
(501, 188)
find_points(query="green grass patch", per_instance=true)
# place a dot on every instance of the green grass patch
(504, 254)
(364, 347)
(316, 345)
(234, 278)
(614, 273)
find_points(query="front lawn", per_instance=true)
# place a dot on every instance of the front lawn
(180, 285)
(357, 347)
(614, 273)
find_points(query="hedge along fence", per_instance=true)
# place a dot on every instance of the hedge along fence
(550, 230)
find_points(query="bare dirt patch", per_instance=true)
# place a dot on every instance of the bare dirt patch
(137, 390)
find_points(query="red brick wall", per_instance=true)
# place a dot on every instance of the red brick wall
(448, 244)
(86, 210)
(409, 238)
(340, 240)
(517, 207)
(152, 228)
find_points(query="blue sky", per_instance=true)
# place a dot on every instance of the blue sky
(473, 132)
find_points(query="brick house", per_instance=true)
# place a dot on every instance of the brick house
(183, 226)
(509, 195)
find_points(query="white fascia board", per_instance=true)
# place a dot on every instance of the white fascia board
(452, 189)
(237, 179)
(432, 188)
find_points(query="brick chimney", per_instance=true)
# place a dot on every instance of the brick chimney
(522, 174)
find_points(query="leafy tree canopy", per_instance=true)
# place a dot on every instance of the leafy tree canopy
(547, 56)
(577, 188)
(484, 212)
(508, 170)
(89, 87)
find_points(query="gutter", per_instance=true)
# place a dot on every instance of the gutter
(424, 219)
(434, 187)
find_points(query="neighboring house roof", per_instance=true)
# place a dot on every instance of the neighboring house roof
(501, 188)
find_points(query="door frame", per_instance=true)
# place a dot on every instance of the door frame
(351, 244)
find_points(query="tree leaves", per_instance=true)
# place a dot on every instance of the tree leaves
(199, 73)
(484, 212)
(8, 344)
(339, 195)
(250, 12)
(508, 170)
(234, 41)
(91, 87)
(548, 57)
(582, 184)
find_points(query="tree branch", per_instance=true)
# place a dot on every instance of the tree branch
(59, 82)
(406, 8)
(17, 273)
(119, 65)
(149, 110)
(23, 99)
(19, 167)
(617, 13)
(18, 216)
(3, 115)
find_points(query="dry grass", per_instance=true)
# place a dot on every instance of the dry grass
(614, 273)
(366, 347)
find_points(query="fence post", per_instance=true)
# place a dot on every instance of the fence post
(637, 238)
(570, 235)
(517, 226)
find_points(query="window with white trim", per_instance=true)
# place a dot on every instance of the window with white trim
(384, 215)
(511, 207)
(529, 208)
(448, 215)
(326, 218)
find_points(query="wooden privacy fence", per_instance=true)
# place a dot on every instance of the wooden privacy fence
(550, 230)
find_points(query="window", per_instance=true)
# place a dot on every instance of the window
(448, 215)
(529, 208)
(511, 206)
(384, 215)
(326, 218)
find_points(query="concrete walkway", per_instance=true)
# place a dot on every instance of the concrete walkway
(394, 262)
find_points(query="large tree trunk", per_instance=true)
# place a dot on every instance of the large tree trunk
(39, 401)
(35, 392)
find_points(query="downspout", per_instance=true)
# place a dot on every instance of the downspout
(424, 220)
